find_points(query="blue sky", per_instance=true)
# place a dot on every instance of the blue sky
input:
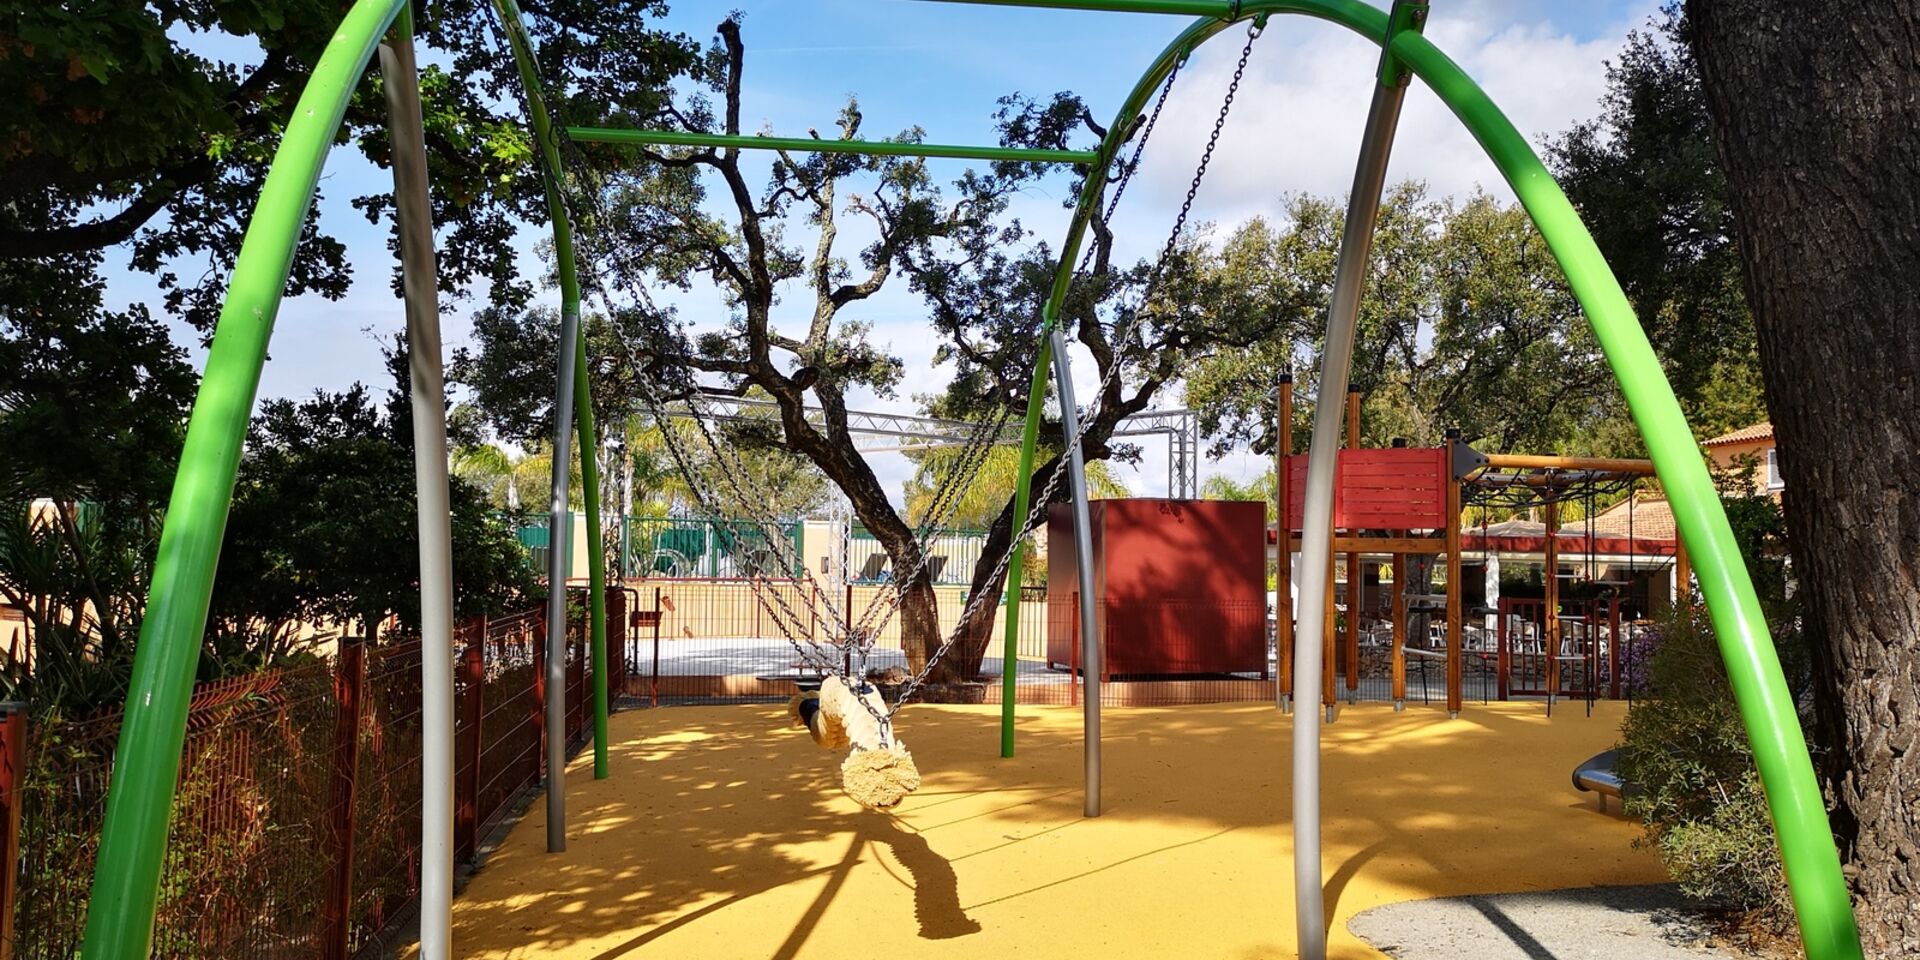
(1295, 128)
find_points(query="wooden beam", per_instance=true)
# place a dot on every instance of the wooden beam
(1522, 461)
(1456, 607)
(1551, 628)
(1399, 628)
(1682, 575)
(1326, 650)
(1356, 589)
(1283, 576)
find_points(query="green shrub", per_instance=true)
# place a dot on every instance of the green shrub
(1699, 795)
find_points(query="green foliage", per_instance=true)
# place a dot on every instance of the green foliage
(323, 528)
(1466, 321)
(121, 108)
(1686, 746)
(91, 409)
(1221, 487)
(1648, 183)
(1699, 794)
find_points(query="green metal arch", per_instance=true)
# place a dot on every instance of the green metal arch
(126, 876)
(125, 889)
(1766, 706)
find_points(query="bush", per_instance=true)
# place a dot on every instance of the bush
(1699, 794)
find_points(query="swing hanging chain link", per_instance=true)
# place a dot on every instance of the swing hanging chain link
(947, 495)
(770, 598)
(1044, 501)
(1056, 475)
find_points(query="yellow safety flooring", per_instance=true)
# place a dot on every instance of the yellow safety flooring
(722, 834)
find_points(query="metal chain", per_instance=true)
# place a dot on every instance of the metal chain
(971, 460)
(1132, 164)
(785, 615)
(1030, 523)
(1112, 374)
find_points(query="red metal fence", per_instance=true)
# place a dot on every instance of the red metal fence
(296, 823)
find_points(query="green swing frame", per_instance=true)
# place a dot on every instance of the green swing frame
(132, 847)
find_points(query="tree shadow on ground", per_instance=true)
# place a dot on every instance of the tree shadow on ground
(719, 823)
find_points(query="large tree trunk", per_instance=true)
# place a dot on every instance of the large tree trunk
(1816, 114)
(977, 634)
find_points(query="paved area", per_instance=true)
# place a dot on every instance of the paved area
(1606, 923)
(721, 834)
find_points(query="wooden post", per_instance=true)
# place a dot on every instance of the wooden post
(1356, 590)
(1399, 631)
(1456, 605)
(1283, 548)
(1682, 575)
(466, 790)
(13, 772)
(349, 681)
(1551, 628)
(1327, 634)
(1505, 666)
(1613, 647)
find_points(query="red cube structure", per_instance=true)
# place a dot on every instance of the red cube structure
(1181, 586)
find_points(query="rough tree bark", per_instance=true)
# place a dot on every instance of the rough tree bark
(1816, 116)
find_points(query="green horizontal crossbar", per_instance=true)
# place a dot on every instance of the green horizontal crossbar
(681, 138)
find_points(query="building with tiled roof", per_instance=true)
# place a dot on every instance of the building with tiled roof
(1646, 516)
(1745, 435)
(1749, 446)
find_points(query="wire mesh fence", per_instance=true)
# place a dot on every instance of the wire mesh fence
(287, 778)
(717, 639)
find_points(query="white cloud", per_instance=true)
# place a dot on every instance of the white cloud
(1296, 121)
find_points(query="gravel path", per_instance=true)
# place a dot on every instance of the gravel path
(1604, 923)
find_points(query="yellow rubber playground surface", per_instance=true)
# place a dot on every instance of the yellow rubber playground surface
(722, 834)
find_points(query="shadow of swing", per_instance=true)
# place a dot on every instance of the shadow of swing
(936, 888)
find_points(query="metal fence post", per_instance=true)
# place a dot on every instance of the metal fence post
(466, 797)
(657, 617)
(13, 772)
(349, 681)
(538, 718)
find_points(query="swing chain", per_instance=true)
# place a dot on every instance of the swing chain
(1213, 140)
(1042, 502)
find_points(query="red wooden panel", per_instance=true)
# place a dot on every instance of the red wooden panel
(1388, 489)
(1182, 584)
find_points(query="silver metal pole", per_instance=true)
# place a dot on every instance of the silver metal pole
(1316, 538)
(559, 551)
(1090, 658)
(428, 394)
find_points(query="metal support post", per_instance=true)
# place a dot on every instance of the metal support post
(1356, 245)
(1090, 652)
(427, 392)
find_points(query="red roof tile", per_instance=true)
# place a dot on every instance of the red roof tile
(1752, 434)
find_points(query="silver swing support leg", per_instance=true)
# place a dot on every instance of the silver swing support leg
(427, 393)
(559, 551)
(1083, 546)
(1356, 245)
